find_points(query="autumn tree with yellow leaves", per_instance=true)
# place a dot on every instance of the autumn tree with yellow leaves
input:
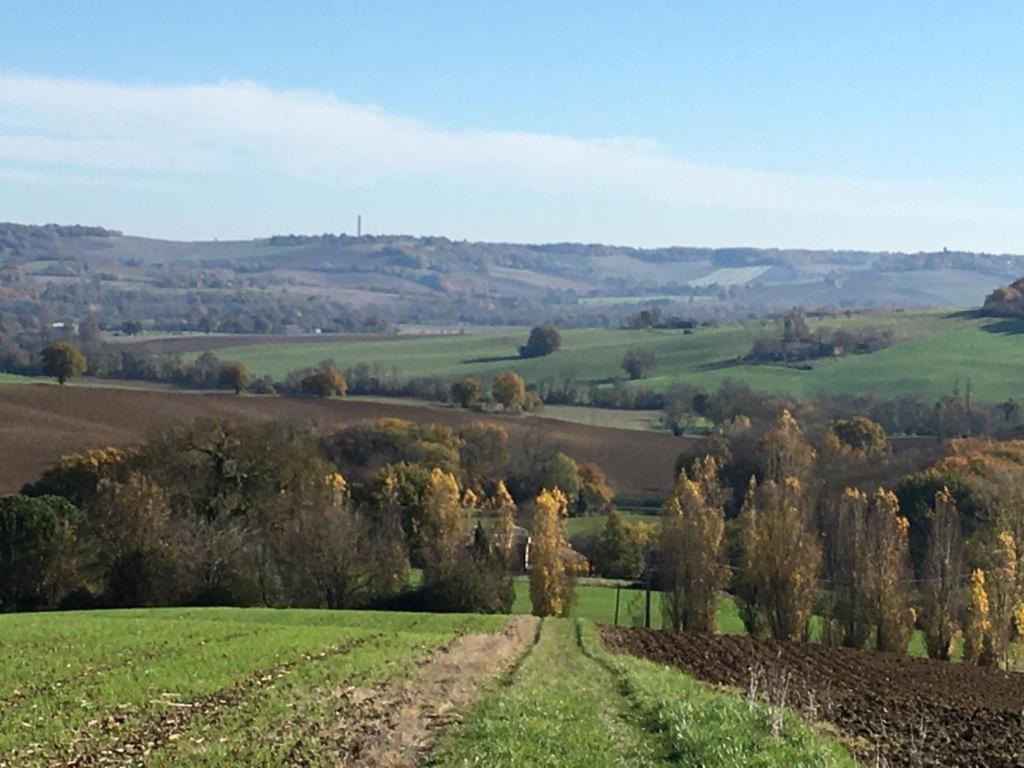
(780, 554)
(550, 582)
(996, 555)
(780, 559)
(976, 619)
(502, 505)
(691, 567)
(784, 452)
(444, 527)
(888, 573)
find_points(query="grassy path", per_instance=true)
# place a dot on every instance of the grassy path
(572, 704)
(561, 710)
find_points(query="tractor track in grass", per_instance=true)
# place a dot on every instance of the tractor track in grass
(395, 722)
(93, 673)
(133, 747)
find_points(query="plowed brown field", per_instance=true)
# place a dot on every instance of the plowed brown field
(41, 422)
(894, 710)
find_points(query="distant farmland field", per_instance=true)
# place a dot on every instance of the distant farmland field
(41, 422)
(935, 352)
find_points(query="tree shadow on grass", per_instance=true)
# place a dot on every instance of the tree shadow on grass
(718, 365)
(494, 359)
(1007, 327)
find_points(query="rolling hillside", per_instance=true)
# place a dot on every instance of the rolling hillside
(318, 282)
(934, 352)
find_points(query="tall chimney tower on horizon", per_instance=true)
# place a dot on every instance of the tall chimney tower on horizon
(359, 225)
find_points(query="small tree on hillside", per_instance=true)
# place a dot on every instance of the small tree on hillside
(637, 363)
(691, 568)
(326, 382)
(234, 376)
(550, 584)
(466, 392)
(544, 340)
(509, 390)
(63, 361)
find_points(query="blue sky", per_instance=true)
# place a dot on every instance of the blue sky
(820, 124)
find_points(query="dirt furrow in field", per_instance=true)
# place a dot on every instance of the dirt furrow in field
(393, 724)
(132, 748)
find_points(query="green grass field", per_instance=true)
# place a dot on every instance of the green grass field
(595, 601)
(935, 352)
(573, 705)
(593, 525)
(76, 683)
(244, 687)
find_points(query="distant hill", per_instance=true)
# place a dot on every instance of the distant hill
(298, 280)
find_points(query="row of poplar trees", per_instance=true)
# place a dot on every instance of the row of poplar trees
(793, 551)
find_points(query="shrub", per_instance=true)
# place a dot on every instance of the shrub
(544, 340)
(509, 390)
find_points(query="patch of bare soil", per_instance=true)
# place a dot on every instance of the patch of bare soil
(40, 422)
(895, 710)
(393, 724)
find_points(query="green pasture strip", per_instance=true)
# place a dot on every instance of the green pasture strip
(597, 604)
(284, 723)
(934, 351)
(559, 710)
(583, 526)
(571, 703)
(703, 726)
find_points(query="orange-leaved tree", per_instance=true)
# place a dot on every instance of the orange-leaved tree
(550, 583)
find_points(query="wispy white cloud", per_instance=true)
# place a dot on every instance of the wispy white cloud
(74, 130)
